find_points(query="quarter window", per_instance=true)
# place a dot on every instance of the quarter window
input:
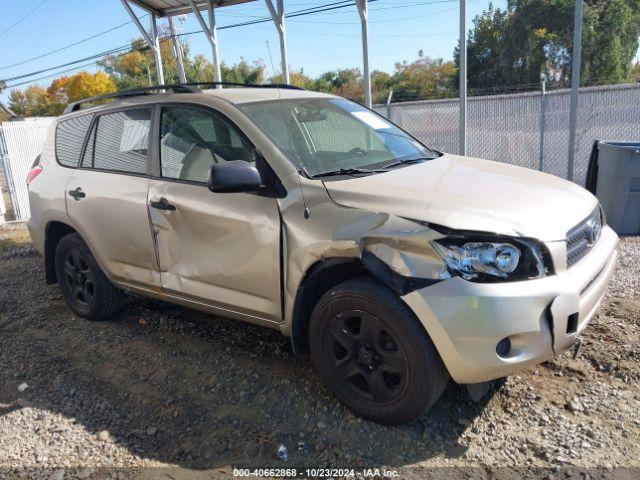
(122, 141)
(191, 140)
(70, 135)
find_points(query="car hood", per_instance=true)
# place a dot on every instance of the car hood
(471, 194)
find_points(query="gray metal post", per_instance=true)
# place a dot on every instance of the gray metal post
(156, 50)
(543, 123)
(363, 10)
(389, 98)
(152, 40)
(462, 133)
(212, 35)
(177, 51)
(575, 85)
(278, 19)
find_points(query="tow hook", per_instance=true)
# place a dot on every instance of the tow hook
(576, 347)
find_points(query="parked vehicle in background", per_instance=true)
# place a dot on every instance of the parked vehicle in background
(398, 266)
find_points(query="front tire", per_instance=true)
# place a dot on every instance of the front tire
(87, 291)
(370, 350)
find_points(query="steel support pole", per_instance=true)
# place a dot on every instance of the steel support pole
(543, 123)
(177, 51)
(214, 47)
(152, 40)
(363, 11)
(575, 85)
(462, 130)
(278, 18)
(212, 35)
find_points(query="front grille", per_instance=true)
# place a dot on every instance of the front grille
(583, 236)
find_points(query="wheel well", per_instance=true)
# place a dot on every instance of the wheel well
(322, 276)
(53, 233)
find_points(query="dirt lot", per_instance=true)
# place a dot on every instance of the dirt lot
(165, 386)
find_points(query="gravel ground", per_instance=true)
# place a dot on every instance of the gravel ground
(165, 386)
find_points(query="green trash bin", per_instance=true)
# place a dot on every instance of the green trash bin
(618, 185)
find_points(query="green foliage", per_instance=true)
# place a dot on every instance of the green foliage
(533, 39)
(32, 102)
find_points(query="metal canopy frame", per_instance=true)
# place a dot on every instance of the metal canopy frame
(170, 8)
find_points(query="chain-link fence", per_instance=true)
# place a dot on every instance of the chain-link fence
(527, 129)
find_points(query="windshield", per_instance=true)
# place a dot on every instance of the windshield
(325, 135)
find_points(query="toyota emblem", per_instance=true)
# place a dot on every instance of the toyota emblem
(594, 227)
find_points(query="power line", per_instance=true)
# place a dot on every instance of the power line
(51, 52)
(91, 57)
(21, 19)
(328, 7)
(79, 67)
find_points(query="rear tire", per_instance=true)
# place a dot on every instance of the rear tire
(370, 350)
(87, 291)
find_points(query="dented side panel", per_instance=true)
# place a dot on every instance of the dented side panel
(332, 231)
(221, 248)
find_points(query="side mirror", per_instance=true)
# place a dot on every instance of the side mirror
(233, 177)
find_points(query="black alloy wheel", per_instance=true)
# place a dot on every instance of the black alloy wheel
(79, 278)
(373, 353)
(366, 356)
(84, 286)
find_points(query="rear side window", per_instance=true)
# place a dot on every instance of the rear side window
(122, 142)
(70, 135)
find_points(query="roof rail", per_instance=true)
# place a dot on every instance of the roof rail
(248, 85)
(176, 88)
(75, 106)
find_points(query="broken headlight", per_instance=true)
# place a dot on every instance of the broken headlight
(504, 259)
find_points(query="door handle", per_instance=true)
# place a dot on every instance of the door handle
(77, 193)
(162, 204)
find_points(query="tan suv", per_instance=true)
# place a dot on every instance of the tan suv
(397, 265)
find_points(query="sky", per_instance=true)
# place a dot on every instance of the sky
(316, 43)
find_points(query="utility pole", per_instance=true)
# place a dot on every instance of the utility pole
(575, 86)
(177, 51)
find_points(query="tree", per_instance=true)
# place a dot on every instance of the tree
(297, 78)
(32, 102)
(424, 78)
(37, 101)
(634, 74)
(243, 72)
(81, 85)
(533, 39)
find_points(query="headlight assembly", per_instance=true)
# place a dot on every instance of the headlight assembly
(488, 259)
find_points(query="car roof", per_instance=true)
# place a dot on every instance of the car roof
(234, 96)
(246, 95)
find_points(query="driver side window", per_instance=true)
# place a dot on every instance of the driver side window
(191, 140)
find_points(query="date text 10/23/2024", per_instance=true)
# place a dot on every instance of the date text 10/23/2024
(315, 472)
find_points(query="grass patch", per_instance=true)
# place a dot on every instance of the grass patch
(12, 236)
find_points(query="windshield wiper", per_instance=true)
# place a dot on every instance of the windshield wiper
(408, 161)
(347, 171)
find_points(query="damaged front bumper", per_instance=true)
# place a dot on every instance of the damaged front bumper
(485, 331)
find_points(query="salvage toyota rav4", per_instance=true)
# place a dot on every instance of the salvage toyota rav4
(396, 265)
